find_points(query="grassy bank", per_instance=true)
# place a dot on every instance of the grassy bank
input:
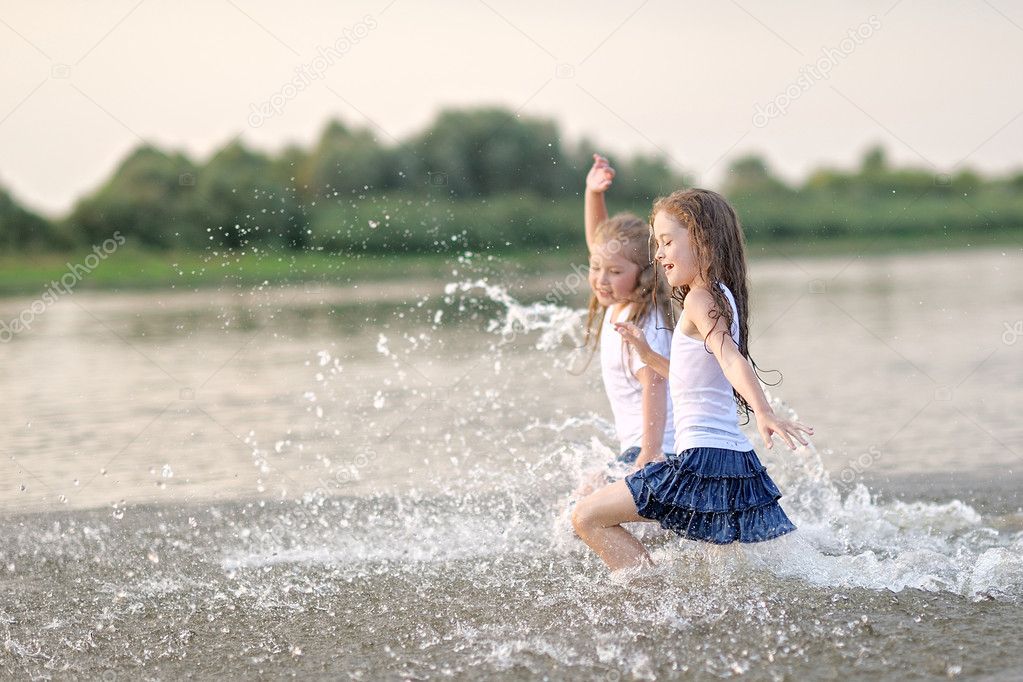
(140, 270)
(133, 269)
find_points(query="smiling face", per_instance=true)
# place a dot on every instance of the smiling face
(613, 277)
(674, 250)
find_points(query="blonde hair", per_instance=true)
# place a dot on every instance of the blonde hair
(629, 235)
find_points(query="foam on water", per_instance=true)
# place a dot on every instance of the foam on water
(846, 536)
(553, 323)
(444, 551)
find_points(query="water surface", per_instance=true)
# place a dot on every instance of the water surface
(370, 483)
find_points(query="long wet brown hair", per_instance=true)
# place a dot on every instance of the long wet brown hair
(630, 236)
(720, 250)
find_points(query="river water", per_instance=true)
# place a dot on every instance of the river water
(368, 482)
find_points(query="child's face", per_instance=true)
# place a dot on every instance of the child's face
(613, 277)
(674, 250)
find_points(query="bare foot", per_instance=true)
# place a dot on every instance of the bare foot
(632, 574)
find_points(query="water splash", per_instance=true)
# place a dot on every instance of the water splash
(470, 568)
(846, 537)
(552, 322)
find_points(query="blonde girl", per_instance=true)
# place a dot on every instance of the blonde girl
(714, 488)
(626, 288)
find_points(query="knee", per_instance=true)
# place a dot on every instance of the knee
(582, 517)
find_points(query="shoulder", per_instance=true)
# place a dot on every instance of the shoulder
(699, 301)
(701, 307)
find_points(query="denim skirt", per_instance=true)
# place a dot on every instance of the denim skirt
(711, 494)
(624, 462)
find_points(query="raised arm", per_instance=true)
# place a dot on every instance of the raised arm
(594, 207)
(738, 371)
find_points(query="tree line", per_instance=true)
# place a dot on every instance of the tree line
(476, 178)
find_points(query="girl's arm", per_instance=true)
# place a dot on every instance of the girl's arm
(655, 414)
(738, 371)
(594, 207)
(634, 336)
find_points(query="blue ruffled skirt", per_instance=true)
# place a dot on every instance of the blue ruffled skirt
(711, 494)
(629, 455)
(617, 467)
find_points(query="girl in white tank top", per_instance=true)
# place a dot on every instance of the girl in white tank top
(624, 284)
(707, 414)
(714, 487)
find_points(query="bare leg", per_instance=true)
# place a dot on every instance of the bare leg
(597, 518)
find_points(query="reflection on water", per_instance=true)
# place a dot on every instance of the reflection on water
(899, 372)
(387, 468)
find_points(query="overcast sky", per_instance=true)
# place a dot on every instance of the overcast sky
(937, 83)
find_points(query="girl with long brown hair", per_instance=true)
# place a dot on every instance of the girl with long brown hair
(714, 488)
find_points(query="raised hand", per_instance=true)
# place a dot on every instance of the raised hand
(600, 176)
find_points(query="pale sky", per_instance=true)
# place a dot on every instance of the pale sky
(84, 83)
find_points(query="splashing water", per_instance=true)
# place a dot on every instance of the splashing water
(553, 322)
(445, 548)
(844, 540)
(848, 540)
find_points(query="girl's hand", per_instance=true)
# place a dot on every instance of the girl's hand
(643, 460)
(600, 176)
(633, 336)
(770, 424)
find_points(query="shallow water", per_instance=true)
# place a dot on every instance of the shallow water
(370, 483)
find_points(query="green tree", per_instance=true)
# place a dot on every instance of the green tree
(482, 152)
(245, 198)
(750, 175)
(149, 199)
(875, 162)
(21, 229)
(349, 161)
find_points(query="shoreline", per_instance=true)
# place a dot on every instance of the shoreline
(31, 273)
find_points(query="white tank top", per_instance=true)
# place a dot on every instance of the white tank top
(624, 391)
(705, 409)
